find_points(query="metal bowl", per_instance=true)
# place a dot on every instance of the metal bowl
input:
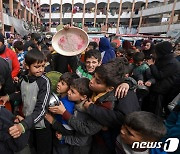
(54, 100)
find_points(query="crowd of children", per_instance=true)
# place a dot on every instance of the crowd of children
(108, 98)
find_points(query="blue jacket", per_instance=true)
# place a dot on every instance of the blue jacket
(105, 46)
(69, 105)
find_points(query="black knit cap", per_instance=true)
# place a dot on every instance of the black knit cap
(164, 48)
(1, 38)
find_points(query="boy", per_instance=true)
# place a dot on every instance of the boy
(136, 129)
(92, 60)
(62, 89)
(104, 106)
(18, 46)
(81, 122)
(141, 71)
(34, 92)
(142, 74)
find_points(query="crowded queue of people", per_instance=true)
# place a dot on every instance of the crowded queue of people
(109, 97)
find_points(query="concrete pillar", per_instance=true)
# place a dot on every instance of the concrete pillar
(119, 16)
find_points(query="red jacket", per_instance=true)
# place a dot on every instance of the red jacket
(8, 54)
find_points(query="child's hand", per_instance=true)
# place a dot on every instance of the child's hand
(140, 83)
(60, 109)
(49, 118)
(87, 103)
(16, 130)
(122, 90)
(16, 79)
(66, 27)
(4, 99)
(58, 135)
(148, 84)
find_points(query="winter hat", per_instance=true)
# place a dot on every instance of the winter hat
(1, 38)
(164, 48)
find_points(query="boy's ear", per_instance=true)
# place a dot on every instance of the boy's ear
(26, 66)
(83, 97)
(100, 63)
(109, 89)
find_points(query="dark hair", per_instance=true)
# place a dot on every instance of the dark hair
(113, 72)
(121, 50)
(19, 45)
(126, 45)
(147, 124)
(138, 57)
(94, 44)
(82, 86)
(47, 54)
(68, 77)
(36, 36)
(93, 53)
(34, 56)
(130, 53)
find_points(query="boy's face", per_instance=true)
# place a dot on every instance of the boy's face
(147, 46)
(74, 95)
(97, 85)
(91, 64)
(36, 69)
(129, 136)
(62, 87)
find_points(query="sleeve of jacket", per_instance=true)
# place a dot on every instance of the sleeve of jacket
(15, 65)
(60, 128)
(15, 96)
(106, 117)
(9, 86)
(169, 70)
(41, 104)
(88, 127)
(74, 140)
(149, 76)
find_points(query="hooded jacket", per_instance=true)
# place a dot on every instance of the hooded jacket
(166, 69)
(106, 50)
(11, 58)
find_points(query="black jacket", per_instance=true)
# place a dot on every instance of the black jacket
(114, 117)
(166, 71)
(60, 63)
(9, 145)
(5, 73)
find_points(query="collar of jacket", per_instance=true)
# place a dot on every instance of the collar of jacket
(109, 96)
(29, 78)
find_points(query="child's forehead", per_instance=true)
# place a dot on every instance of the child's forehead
(74, 89)
(91, 58)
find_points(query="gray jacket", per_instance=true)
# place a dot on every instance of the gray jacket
(84, 125)
(34, 92)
